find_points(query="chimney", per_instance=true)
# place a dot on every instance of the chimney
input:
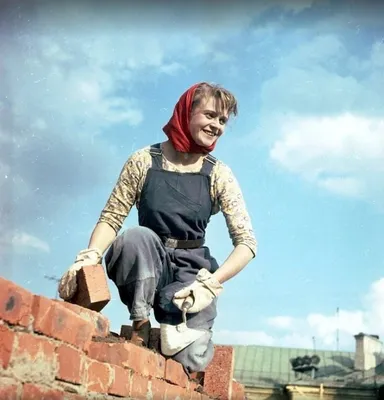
(368, 352)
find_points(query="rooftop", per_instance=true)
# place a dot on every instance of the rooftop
(265, 366)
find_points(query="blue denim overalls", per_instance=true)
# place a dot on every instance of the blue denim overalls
(151, 262)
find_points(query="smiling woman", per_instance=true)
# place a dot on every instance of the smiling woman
(163, 264)
(210, 112)
(207, 124)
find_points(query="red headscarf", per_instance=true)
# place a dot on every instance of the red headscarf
(177, 128)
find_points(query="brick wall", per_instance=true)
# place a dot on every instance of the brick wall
(50, 349)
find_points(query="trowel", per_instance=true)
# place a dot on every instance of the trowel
(175, 338)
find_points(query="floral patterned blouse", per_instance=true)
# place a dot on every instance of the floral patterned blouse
(226, 196)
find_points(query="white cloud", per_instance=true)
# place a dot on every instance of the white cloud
(243, 337)
(325, 327)
(295, 339)
(374, 304)
(281, 322)
(320, 77)
(316, 330)
(22, 243)
(172, 68)
(378, 54)
(344, 186)
(319, 51)
(321, 114)
(343, 154)
(315, 90)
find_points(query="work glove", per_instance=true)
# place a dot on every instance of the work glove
(68, 282)
(202, 291)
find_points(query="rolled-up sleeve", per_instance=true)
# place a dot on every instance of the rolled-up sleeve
(123, 195)
(232, 204)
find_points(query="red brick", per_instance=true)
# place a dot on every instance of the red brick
(7, 338)
(174, 392)
(34, 346)
(121, 382)
(73, 396)
(15, 303)
(146, 362)
(128, 355)
(33, 358)
(193, 386)
(219, 373)
(158, 388)
(71, 365)
(195, 395)
(139, 387)
(92, 291)
(8, 390)
(60, 323)
(100, 322)
(238, 392)
(153, 364)
(174, 373)
(98, 375)
(36, 392)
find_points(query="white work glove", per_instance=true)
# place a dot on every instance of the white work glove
(203, 290)
(68, 282)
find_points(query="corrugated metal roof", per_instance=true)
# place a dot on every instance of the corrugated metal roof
(271, 367)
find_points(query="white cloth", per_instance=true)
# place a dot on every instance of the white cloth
(176, 338)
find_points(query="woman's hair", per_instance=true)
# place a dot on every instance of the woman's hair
(225, 99)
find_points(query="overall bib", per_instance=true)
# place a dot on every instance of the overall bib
(150, 263)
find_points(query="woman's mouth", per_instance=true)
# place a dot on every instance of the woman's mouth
(209, 133)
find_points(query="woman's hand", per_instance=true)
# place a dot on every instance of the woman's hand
(203, 290)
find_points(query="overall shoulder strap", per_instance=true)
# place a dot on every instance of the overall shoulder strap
(156, 154)
(208, 165)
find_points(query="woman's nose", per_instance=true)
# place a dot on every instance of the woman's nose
(215, 124)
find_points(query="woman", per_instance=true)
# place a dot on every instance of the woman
(177, 186)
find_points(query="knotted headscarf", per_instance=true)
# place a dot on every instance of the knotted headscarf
(177, 128)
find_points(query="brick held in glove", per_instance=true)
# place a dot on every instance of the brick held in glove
(203, 290)
(68, 282)
(92, 288)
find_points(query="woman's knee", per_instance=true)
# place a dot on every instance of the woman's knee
(137, 235)
(134, 240)
(197, 355)
(135, 254)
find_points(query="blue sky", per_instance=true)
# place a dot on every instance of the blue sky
(83, 87)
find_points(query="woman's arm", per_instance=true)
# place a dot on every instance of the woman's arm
(102, 237)
(231, 202)
(120, 202)
(237, 260)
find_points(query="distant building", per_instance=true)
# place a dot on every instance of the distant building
(276, 373)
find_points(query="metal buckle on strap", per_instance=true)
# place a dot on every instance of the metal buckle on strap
(211, 159)
(182, 244)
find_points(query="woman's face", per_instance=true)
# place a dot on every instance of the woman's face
(207, 123)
